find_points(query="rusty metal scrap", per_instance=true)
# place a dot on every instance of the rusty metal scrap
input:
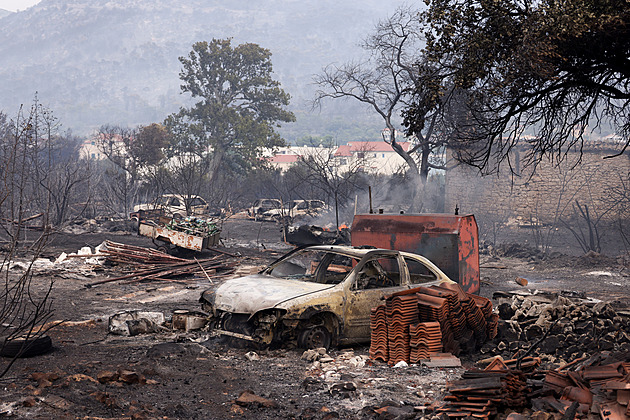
(150, 264)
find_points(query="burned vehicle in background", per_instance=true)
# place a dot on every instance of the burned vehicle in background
(317, 296)
(261, 206)
(316, 235)
(296, 210)
(173, 205)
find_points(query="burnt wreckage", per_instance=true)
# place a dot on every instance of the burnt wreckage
(317, 296)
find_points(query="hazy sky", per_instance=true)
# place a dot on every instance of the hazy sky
(15, 5)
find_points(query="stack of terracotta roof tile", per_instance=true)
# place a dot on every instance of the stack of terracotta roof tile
(436, 309)
(457, 317)
(425, 340)
(484, 304)
(401, 311)
(432, 308)
(475, 319)
(453, 324)
(464, 321)
(378, 328)
(480, 394)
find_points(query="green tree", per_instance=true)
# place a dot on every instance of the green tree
(551, 68)
(239, 105)
(149, 144)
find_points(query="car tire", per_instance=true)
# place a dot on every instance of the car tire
(165, 249)
(23, 347)
(315, 337)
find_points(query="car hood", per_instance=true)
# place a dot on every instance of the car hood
(250, 294)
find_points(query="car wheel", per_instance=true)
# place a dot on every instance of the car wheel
(315, 337)
(23, 347)
(165, 249)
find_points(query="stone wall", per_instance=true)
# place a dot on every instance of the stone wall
(542, 197)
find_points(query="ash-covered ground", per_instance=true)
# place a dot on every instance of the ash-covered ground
(173, 374)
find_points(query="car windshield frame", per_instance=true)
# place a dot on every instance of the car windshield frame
(358, 258)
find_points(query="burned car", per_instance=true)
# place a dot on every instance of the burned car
(261, 206)
(317, 296)
(174, 205)
(297, 210)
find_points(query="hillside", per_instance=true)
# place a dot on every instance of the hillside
(115, 61)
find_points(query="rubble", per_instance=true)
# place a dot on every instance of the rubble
(574, 326)
(150, 264)
(194, 226)
(318, 354)
(316, 235)
(205, 377)
(343, 390)
(188, 320)
(132, 323)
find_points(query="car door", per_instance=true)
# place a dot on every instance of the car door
(376, 276)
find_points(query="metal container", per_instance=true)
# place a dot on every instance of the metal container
(450, 241)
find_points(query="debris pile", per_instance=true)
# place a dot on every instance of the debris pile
(194, 226)
(482, 393)
(149, 264)
(315, 235)
(600, 384)
(418, 323)
(132, 323)
(561, 327)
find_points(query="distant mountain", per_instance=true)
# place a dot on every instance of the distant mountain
(4, 13)
(115, 61)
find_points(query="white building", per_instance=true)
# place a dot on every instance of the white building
(379, 157)
(376, 156)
